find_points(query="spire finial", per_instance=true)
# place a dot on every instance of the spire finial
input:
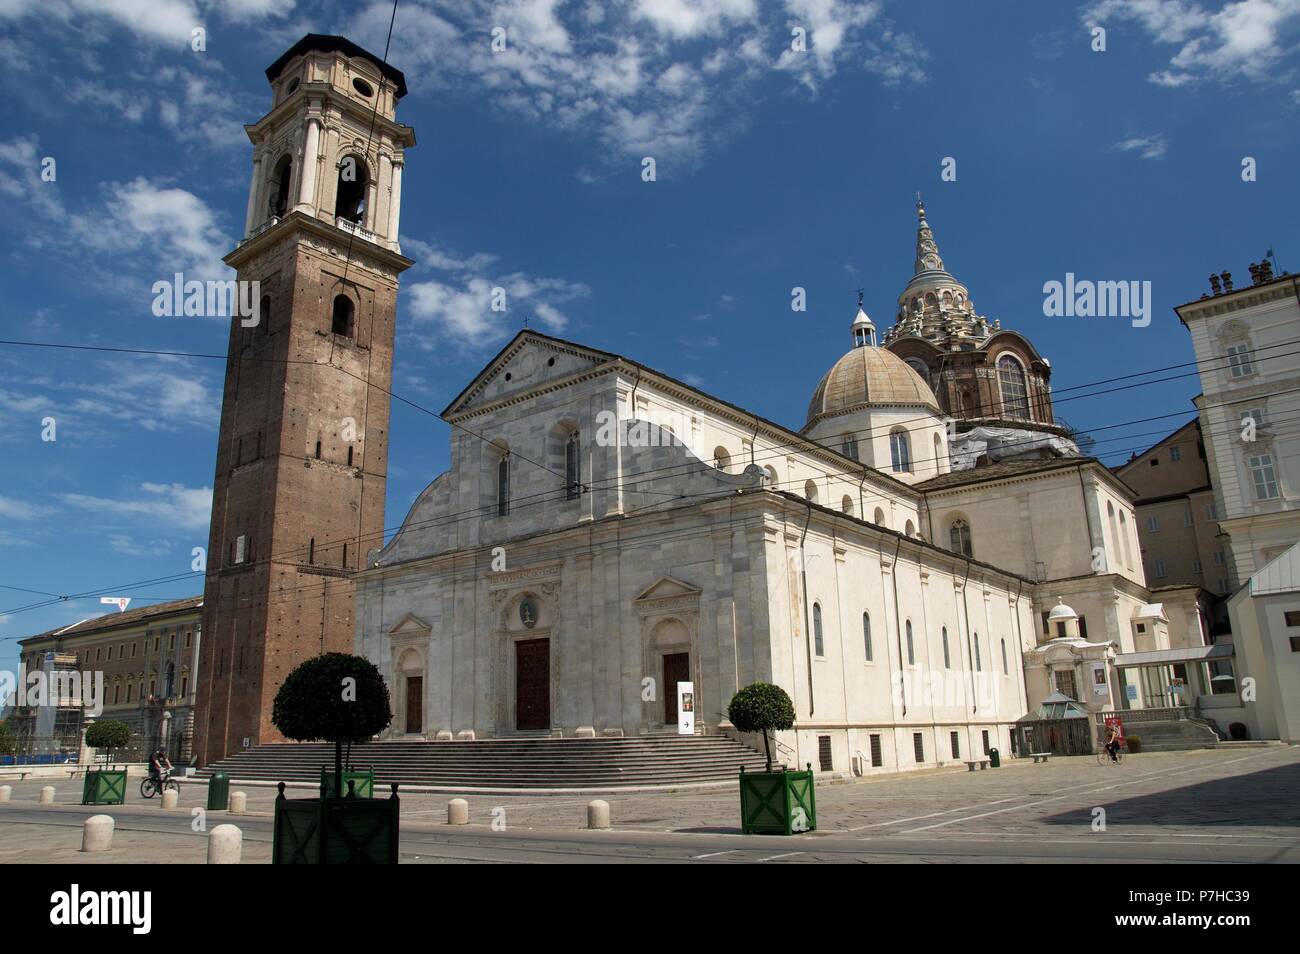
(859, 296)
(920, 207)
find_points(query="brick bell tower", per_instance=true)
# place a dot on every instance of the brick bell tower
(302, 459)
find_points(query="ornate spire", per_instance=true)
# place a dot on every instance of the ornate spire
(927, 252)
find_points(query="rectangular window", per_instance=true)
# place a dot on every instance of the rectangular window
(1292, 617)
(1218, 558)
(133, 650)
(1196, 566)
(1239, 363)
(1153, 524)
(241, 546)
(877, 757)
(1211, 512)
(1175, 453)
(1160, 570)
(1255, 414)
(1223, 584)
(1295, 644)
(171, 642)
(97, 653)
(954, 739)
(155, 644)
(1083, 630)
(985, 735)
(1264, 476)
(918, 746)
(824, 753)
(1187, 518)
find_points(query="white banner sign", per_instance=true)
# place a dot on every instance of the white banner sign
(119, 601)
(686, 708)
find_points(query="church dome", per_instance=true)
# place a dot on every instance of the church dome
(868, 376)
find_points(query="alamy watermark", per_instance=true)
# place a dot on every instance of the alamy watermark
(58, 688)
(1083, 298)
(211, 299)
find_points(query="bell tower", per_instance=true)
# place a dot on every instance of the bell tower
(302, 458)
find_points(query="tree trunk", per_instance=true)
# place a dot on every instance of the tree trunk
(767, 747)
(338, 769)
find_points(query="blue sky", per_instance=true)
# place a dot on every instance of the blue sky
(775, 169)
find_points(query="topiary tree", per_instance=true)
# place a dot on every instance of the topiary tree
(108, 734)
(761, 707)
(336, 698)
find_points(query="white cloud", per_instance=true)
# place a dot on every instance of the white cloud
(1147, 147)
(1243, 40)
(187, 508)
(11, 508)
(459, 302)
(668, 78)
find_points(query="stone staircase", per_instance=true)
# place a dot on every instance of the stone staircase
(516, 763)
(1174, 736)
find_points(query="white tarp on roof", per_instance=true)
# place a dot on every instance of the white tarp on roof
(1191, 654)
(1279, 575)
(1000, 443)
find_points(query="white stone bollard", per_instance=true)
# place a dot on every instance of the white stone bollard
(225, 842)
(6, 792)
(97, 833)
(458, 812)
(598, 814)
(47, 795)
(238, 802)
(171, 798)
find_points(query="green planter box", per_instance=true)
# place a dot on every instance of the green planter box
(104, 787)
(335, 831)
(777, 803)
(364, 788)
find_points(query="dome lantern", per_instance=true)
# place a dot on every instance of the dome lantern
(863, 328)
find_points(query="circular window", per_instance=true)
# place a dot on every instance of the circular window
(509, 375)
(550, 363)
(362, 87)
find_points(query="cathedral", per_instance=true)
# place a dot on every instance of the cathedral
(920, 563)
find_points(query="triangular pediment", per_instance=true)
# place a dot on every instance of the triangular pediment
(409, 625)
(527, 363)
(665, 588)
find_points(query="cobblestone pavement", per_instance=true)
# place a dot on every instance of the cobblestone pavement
(1180, 805)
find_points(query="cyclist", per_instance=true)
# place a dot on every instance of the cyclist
(159, 766)
(1113, 741)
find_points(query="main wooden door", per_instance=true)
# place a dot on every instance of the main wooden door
(533, 684)
(677, 668)
(415, 704)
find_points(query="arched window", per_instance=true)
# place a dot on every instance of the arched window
(1004, 656)
(947, 658)
(721, 459)
(503, 485)
(879, 520)
(1123, 540)
(846, 504)
(572, 467)
(810, 490)
(959, 537)
(849, 446)
(350, 197)
(278, 204)
(909, 529)
(900, 452)
(1015, 393)
(341, 323)
(866, 637)
(911, 651)
(819, 644)
(938, 450)
(771, 474)
(171, 680)
(1114, 531)
(978, 665)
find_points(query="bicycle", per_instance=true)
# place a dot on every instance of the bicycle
(150, 786)
(1103, 757)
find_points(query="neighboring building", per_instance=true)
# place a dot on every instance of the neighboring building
(1245, 341)
(302, 459)
(991, 381)
(1177, 517)
(149, 660)
(1266, 624)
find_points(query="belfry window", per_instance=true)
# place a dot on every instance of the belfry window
(279, 202)
(572, 467)
(959, 537)
(341, 322)
(1015, 393)
(819, 642)
(350, 197)
(849, 446)
(900, 452)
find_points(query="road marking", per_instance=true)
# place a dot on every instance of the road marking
(788, 854)
(714, 854)
(946, 811)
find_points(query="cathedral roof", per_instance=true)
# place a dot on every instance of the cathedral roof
(868, 376)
